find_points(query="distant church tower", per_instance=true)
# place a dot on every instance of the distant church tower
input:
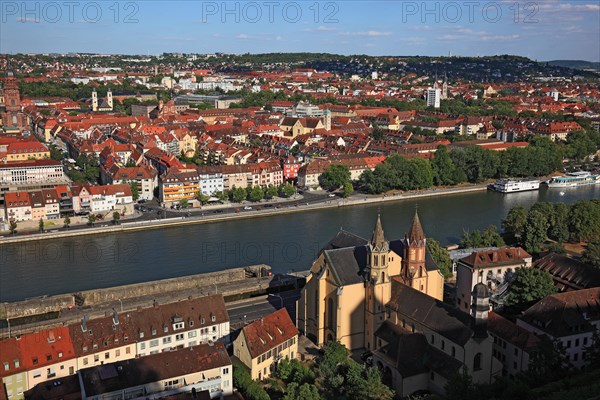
(413, 260)
(445, 88)
(109, 99)
(94, 100)
(12, 115)
(379, 284)
(327, 121)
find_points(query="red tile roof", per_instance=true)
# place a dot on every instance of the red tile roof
(46, 347)
(269, 332)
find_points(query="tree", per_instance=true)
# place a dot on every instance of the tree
(592, 352)
(441, 257)
(334, 177)
(460, 387)
(91, 219)
(377, 133)
(256, 193)
(116, 217)
(584, 221)
(271, 192)
(591, 255)
(67, 222)
(305, 391)
(184, 203)
(222, 196)
(135, 190)
(286, 190)
(202, 198)
(529, 284)
(444, 170)
(559, 228)
(348, 189)
(536, 231)
(41, 225)
(12, 226)
(547, 362)
(237, 194)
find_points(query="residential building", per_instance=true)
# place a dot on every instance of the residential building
(26, 150)
(111, 198)
(568, 273)
(17, 206)
(177, 184)
(263, 343)
(571, 318)
(350, 284)
(434, 95)
(205, 367)
(145, 177)
(13, 374)
(491, 267)
(512, 344)
(30, 175)
(211, 180)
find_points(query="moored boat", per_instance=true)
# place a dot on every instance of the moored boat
(572, 179)
(515, 185)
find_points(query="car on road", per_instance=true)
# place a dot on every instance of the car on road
(217, 211)
(247, 208)
(331, 194)
(268, 205)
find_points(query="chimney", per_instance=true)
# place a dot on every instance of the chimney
(84, 323)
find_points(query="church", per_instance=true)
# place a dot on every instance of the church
(387, 297)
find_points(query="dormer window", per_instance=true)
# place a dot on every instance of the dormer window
(165, 329)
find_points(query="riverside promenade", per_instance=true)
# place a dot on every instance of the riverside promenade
(357, 199)
(234, 284)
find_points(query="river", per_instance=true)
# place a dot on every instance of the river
(286, 242)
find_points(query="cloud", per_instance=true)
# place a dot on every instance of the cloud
(243, 36)
(412, 41)
(26, 20)
(487, 38)
(366, 33)
(320, 29)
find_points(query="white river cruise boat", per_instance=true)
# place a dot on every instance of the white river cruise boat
(572, 179)
(515, 185)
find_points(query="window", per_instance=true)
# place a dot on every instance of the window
(179, 336)
(167, 340)
(477, 362)
(141, 334)
(443, 344)
(568, 344)
(142, 346)
(6, 366)
(96, 358)
(153, 331)
(127, 350)
(191, 334)
(516, 352)
(165, 329)
(117, 352)
(154, 343)
(17, 363)
(576, 342)
(85, 361)
(575, 356)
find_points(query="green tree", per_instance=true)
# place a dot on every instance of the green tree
(222, 196)
(591, 255)
(514, 224)
(12, 226)
(377, 133)
(592, 352)
(441, 257)
(444, 170)
(559, 228)
(286, 190)
(237, 194)
(547, 362)
(491, 238)
(460, 387)
(67, 222)
(271, 192)
(584, 221)
(334, 177)
(305, 391)
(41, 225)
(348, 189)
(116, 217)
(91, 219)
(202, 198)
(536, 231)
(529, 284)
(256, 193)
(135, 190)
(251, 389)
(184, 203)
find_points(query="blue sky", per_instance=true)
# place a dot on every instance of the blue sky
(542, 29)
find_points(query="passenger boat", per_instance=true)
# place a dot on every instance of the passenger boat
(579, 178)
(515, 185)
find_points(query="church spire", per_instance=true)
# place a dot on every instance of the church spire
(378, 238)
(416, 233)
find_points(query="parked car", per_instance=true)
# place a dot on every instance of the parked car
(331, 194)
(247, 208)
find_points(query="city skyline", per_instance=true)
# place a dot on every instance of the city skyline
(543, 30)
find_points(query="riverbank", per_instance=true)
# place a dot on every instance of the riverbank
(181, 221)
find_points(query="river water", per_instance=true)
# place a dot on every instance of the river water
(286, 242)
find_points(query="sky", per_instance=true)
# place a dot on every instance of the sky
(542, 30)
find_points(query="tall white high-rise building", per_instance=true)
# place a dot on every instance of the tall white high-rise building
(433, 96)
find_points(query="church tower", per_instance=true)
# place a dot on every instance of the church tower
(378, 286)
(94, 100)
(109, 99)
(445, 88)
(413, 260)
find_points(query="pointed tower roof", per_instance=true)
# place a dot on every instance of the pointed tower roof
(416, 233)
(378, 239)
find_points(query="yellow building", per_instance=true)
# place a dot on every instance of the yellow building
(263, 343)
(23, 151)
(350, 284)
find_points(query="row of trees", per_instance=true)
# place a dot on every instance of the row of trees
(335, 376)
(250, 193)
(560, 222)
(337, 176)
(475, 164)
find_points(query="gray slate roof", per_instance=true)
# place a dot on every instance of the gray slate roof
(348, 264)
